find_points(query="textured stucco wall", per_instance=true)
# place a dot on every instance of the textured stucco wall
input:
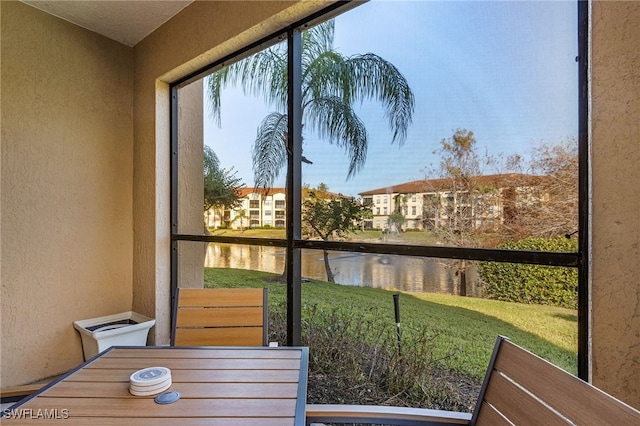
(191, 184)
(615, 142)
(198, 35)
(66, 200)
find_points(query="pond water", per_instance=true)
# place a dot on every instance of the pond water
(391, 272)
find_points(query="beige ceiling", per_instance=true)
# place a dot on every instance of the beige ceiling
(125, 21)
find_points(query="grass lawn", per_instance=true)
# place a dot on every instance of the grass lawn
(466, 327)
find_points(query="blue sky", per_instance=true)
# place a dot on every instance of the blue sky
(505, 70)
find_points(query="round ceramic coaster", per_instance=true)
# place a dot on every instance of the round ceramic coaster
(150, 392)
(167, 397)
(149, 385)
(157, 388)
(150, 376)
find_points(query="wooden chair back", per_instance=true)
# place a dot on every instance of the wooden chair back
(220, 317)
(522, 388)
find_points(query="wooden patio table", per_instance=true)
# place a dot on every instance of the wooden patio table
(257, 386)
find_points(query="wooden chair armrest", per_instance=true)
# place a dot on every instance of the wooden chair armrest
(23, 390)
(373, 414)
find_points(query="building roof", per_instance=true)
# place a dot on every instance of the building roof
(244, 192)
(444, 184)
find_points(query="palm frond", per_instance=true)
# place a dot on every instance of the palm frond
(265, 74)
(262, 74)
(215, 82)
(316, 41)
(270, 149)
(318, 77)
(369, 76)
(336, 121)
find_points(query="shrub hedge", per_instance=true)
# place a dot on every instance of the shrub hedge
(532, 284)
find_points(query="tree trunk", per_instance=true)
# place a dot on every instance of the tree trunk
(463, 278)
(327, 267)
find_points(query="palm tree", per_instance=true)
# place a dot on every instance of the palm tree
(221, 186)
(241, 215)
(331, 85)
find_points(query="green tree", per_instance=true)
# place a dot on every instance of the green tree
(331, 85)
(460, 165)
(465, 199)
(395, 221)
(330, 215)
(555, 212)
(221, 186)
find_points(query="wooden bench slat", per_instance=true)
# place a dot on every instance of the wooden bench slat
(489, 416)
(577, 400)
(220, 317)
(517, 406)
(223, 297)
(236, 336)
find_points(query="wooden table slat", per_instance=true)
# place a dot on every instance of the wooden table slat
(197, 376)
(205, 352)
(146, 407)
(187, 390)
(156, 421)
(200, 363)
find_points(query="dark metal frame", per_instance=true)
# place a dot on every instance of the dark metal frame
(294, 242)
(294, 187)
(584, 202)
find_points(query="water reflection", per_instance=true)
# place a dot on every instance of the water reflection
(389, 272)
